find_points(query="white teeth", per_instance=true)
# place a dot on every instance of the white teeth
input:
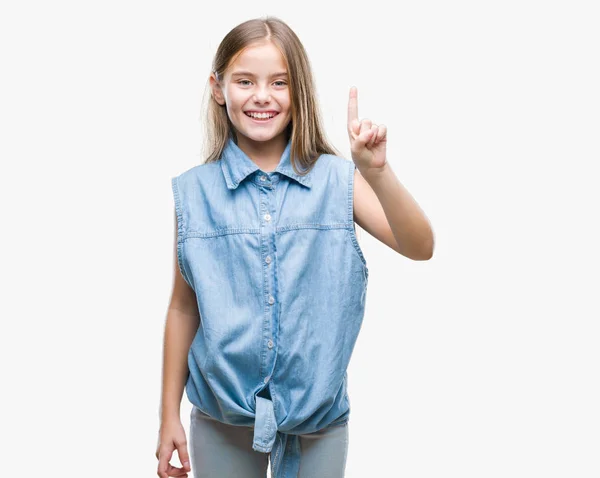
(260, 115)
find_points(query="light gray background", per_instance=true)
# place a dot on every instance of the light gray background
(482, 362)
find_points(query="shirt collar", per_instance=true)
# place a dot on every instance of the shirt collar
(236, 165)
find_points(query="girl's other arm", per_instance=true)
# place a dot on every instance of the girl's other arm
(181, 326)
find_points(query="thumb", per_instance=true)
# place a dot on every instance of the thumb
(361, 141)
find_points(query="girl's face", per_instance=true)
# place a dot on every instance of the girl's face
(256, 82)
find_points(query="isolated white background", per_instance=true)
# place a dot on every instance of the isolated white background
(482, 362)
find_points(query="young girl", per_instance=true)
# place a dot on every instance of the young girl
(270, 281)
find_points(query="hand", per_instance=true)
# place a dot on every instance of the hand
(171, 437)
(367, 141)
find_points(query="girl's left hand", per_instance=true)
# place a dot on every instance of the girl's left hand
(367, 140)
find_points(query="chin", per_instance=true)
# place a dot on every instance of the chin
(261, 138)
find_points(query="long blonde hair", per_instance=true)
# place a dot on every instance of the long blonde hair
(308, 140)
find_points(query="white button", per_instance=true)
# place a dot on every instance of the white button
(267, 217)
(268, 260)
(263, 178)
(270, 344)
(271, 300)
(266, 379)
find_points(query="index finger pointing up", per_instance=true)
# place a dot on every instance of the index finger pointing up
(353, 105)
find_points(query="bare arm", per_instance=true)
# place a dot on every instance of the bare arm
(386, 210)
(181, 326)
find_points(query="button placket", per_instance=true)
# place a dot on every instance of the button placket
(268, 238)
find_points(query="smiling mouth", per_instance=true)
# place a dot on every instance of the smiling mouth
(261, 120)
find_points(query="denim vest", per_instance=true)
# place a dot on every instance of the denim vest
(281, 282)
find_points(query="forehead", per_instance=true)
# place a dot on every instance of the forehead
(262, 60)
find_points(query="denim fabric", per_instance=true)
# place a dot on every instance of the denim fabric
(281, 283)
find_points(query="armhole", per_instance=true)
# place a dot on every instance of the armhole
(351, 225)
(180, 227)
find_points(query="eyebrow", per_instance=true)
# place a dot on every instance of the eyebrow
(247, 73)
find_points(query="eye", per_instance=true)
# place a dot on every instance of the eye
(243, 82)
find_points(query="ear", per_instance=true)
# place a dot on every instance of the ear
(216, 89)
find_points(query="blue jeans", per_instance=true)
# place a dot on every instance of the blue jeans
(219, 450)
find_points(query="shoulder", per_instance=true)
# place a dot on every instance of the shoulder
(200, 170)
(198, 174)
(338, 170)
(333, 159)
(334, 164)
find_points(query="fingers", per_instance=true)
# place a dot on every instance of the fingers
(360, 129)
(370, 135)
(163, 462)
(353, 111)
(362, 132)
(365, 125)
(173, 471)
(356, 129)
(381, 133)
(353, 104)
(171, 438)
(366, 128)
(183, 456)
(373, 131)
(166, 470)
(176, 472)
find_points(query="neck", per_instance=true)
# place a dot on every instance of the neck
(266, 154)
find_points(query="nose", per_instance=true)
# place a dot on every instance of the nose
(262, 95)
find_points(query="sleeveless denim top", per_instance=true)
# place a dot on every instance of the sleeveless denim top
(281, 283)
